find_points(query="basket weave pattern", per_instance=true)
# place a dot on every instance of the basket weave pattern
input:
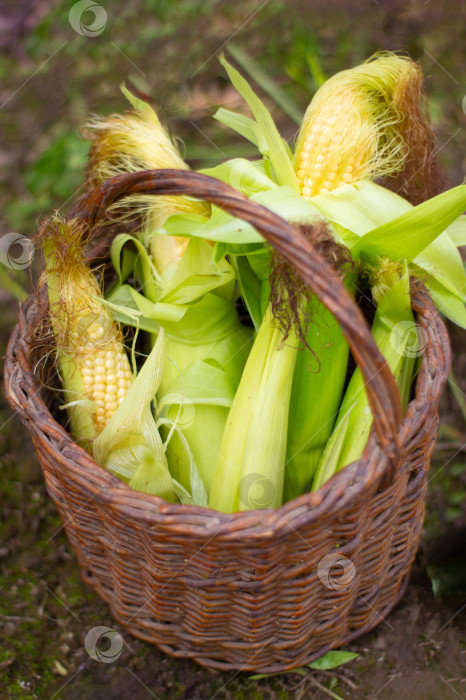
(245, 591)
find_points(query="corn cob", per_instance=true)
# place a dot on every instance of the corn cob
(391, 292)
(93, 365)
(109, 409)
(137, 141)
(359, 115)
(130, 143)
(349, 132)
(252, 453)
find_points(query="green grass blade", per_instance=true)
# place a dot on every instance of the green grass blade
(457, 393)
(9, 284)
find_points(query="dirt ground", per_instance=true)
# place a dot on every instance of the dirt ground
(419, 651)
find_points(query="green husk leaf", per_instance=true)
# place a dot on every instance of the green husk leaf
(227, 229)
(182, 224)
(447, 303)
(126, 261)
(195, 492)
(441, 262)
(270, 144)
(245, 126)
(457, 231)
(139, 105)
(201, 383)
(392, 329)
(153, 477)
(361, 207)
(250, 288)
(205, 321)
(423, 223)
(197, 274)
(248, 177)
(195, 395)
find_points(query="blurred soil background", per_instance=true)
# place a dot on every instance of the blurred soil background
(54, 74)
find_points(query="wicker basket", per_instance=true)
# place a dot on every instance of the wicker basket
(258, 590)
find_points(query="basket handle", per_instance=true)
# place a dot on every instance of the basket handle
(382, 391)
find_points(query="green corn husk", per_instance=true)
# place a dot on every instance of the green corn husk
(196, 393)
(315, 398)
(130, 445)
(205, 353)
(251, 464)
(395, 333)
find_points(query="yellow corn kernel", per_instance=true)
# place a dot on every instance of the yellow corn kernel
(334, 148)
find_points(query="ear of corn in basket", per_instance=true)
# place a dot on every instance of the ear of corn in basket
(205, 352)
(93, 365)
(379, 125)
(109, 415)
(349, 132)
(396, 335)
(135, 141)
(185, 283)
